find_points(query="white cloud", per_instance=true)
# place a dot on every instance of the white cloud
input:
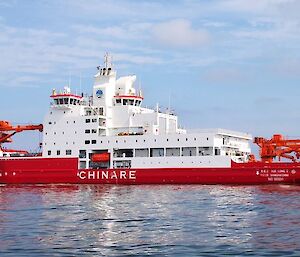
(179, 33)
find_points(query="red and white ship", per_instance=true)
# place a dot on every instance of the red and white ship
(110, 138)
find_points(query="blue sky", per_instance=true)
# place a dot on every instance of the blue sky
(232, 64)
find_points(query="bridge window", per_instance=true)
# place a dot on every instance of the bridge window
(68, 152)
(66, 100)
(61, 101)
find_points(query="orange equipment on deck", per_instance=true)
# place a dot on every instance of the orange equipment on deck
(279, 147)
(7, 130)
(100, 157)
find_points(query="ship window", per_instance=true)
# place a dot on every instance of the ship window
(131, 101)
(143, 152)
(189, 151)
(49, 152)
(87, 121)
(118, 101)
(66, 100)
(56, 101)
(71, 101)
(156, 152)
(125, 101)
(74, 121)
(136, 103)
(61, 101)
(94, 142)
(87, 131)
(82, 153)
(173, 151)
(87, 142)
(68, 152)
(58, 152)
(94, 120)
(119, 153)
(94, 131)
(50, 122)
(217, 151)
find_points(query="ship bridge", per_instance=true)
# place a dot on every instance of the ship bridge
(65, 100)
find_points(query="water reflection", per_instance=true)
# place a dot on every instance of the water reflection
(127, 220)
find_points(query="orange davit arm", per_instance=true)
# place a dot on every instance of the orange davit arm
(7, 130)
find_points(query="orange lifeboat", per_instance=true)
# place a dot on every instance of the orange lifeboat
(100, 157)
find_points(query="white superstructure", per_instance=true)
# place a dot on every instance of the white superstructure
(112, 122)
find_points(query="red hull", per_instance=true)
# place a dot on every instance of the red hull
(65, 170)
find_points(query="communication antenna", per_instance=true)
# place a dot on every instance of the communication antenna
(107, 60)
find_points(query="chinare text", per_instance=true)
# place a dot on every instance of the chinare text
(107, 174)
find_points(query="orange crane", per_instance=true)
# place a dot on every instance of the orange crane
(279, 147)
(7, 130)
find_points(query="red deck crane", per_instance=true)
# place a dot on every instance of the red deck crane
(279, 147)
(7, 131)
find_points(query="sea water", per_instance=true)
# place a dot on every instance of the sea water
(173, 220)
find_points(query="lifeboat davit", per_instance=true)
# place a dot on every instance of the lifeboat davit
(100, 157)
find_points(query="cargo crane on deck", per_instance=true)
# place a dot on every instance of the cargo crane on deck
(7, 131)
(277, 146)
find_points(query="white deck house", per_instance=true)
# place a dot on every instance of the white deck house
(113, 122)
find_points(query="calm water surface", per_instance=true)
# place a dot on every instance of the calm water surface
(70, 220)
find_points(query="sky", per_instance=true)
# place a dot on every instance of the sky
(232, 64)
